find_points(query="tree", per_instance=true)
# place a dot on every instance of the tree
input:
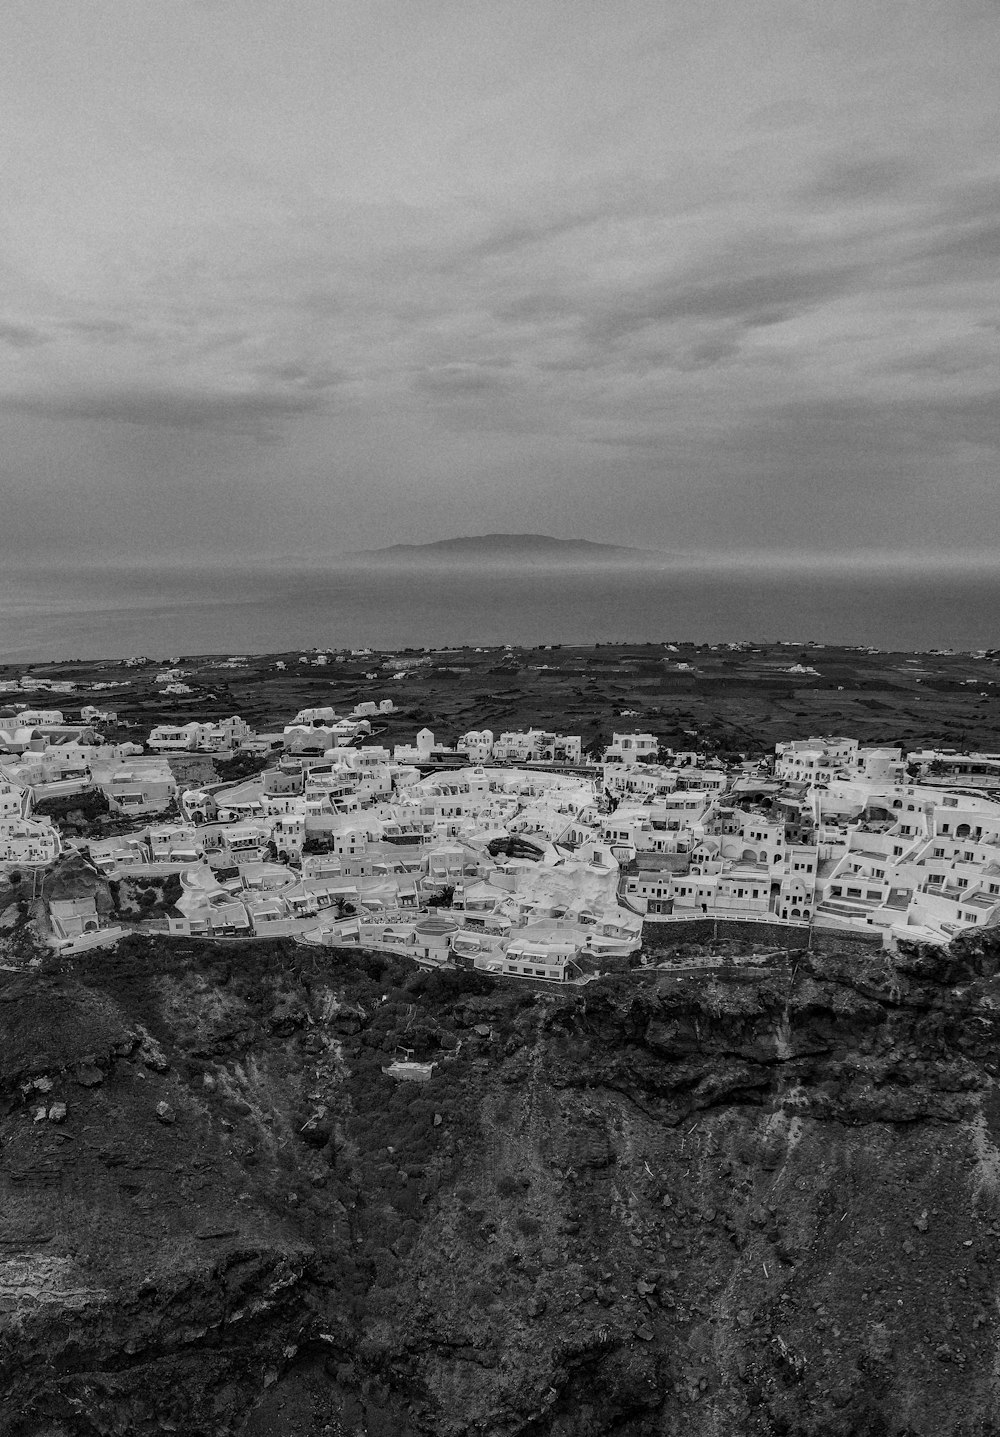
(443, 897)
(595, 748)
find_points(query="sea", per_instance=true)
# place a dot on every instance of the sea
(174, 610)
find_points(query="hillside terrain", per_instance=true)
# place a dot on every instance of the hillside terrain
(514, 548)
(732, 699)
(760, 1198)
(753, 1203)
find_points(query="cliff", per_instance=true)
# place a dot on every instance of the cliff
(745, 1203)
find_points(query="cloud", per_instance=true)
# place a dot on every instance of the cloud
(759, 299)
(976, 242)
(487, 399)
(708, 353)
(307, 378)
(21, 336)
(847, 181)
(99, 328)
(876, 450)
(546, 219)
(252, 413)
(462, 380)
(688, 255)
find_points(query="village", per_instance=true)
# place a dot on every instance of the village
(515, 853)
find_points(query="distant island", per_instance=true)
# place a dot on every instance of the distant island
(512, 549)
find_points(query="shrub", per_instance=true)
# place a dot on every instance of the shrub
(171, 889)
(241, 765)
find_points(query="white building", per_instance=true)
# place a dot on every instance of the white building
(820, 760)
(29, 841)
(631, 748)
(538, 746)
(477, 744)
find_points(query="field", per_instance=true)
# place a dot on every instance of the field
(689, 695)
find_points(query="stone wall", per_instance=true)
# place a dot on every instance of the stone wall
(658, 937)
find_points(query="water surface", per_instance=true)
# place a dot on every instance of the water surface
(90, 613)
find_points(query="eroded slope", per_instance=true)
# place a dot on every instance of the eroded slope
(759, 1204)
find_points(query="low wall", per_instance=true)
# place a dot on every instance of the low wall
(118, 871)
(60, 788)
(82, 942)
(775, 933)
(835, 940)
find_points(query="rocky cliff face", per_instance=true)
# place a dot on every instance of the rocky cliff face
(709, 1205)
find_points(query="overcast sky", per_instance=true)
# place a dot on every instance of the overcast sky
(306, 275)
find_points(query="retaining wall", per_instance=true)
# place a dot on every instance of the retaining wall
(659, 936)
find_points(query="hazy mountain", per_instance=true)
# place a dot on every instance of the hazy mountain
(513, 549)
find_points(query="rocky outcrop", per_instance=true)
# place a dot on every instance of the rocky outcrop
(757, 1203)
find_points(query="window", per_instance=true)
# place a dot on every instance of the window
(939, 853)
(962, 882)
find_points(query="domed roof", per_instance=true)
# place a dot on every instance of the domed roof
(434, 926)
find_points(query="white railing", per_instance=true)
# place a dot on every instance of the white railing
(81, 942)
(720, 916)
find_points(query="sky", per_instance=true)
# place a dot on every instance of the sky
(285, 279)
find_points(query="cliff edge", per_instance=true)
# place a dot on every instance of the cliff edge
(755, 1202)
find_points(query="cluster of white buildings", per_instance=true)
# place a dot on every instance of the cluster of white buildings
(481, 746)
(500, 868)
(831, 833)
(510, 853)
(312, 729)
(42, 756)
